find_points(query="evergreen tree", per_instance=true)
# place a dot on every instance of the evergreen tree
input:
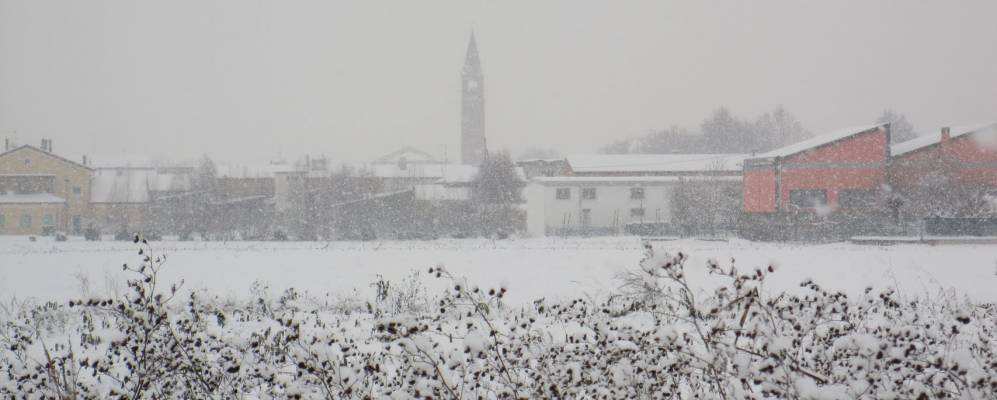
(497, 181)
(205, 185)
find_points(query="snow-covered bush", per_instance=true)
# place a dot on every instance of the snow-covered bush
(657, 337)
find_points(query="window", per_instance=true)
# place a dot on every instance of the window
(637, 193)
(857, 198)
(586, 217)
(48, 220)
(77, 190)
(588, 194)
(27, 161)
(636, 213)
(3, 221)
(808, 198)
(563, 194)
(25, 221)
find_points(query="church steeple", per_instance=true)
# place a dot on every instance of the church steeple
(472, 64)
(472, 119)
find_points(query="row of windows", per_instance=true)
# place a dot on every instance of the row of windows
(815, 198)
(587, 215)
(636, 193)
(26, 221)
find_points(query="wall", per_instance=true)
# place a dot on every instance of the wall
(12, 217)
(759, 190)
(609, 211)
(909, 170)
(969, 159)
(973, 158)
(857, 162)
(67, 176)
(536, 220)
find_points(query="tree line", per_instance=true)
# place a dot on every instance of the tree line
(725, 132)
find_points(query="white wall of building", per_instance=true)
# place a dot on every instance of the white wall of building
(613, 206)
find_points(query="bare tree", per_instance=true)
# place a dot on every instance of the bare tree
(901, 130)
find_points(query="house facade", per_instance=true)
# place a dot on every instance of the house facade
(41, 192)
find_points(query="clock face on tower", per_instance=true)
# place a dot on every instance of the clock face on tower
(472, 84)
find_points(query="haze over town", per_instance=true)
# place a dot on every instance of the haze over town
(252, 81)
(498, 199)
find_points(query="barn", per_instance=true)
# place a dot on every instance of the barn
(964, 155)
(837, 170)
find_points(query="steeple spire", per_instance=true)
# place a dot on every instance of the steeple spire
(472, 115)
(472, 64)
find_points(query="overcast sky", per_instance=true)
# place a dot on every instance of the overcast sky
(250, 80)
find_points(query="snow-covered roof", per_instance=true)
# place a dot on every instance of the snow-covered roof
(169, 182)
(130, 161)
(624, 180)
(919, 142)
(133, 185)
(539, 160)
(120, 186)
(50, 154)
(30, 198)
(457, 173)
(410, 155)
(935, 138)
(818, 141)
(243, 199)
(417, 170)
(229, 170)
(660, 163)
(29, 175)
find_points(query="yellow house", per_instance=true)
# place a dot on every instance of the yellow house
(41, 192)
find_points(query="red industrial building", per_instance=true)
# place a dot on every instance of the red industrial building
(959, 155)
(824, 173)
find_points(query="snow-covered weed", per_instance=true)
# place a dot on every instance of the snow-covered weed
(657, 337)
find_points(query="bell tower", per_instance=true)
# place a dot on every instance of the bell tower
(472, 111)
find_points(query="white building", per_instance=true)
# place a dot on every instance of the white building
(602, 205)
(604, 194)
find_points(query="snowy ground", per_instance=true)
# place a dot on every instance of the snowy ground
(532, 268)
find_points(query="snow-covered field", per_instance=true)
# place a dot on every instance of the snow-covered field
(662, 336)
(532, 268)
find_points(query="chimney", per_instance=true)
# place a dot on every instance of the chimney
(85, 160)
(6, 144)
(945, 134)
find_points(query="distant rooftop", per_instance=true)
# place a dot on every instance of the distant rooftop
(625, 180)
(655, 163)
(134, 185)
(935, 138)
(30, 198)
(818, 141)
(408, 154)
